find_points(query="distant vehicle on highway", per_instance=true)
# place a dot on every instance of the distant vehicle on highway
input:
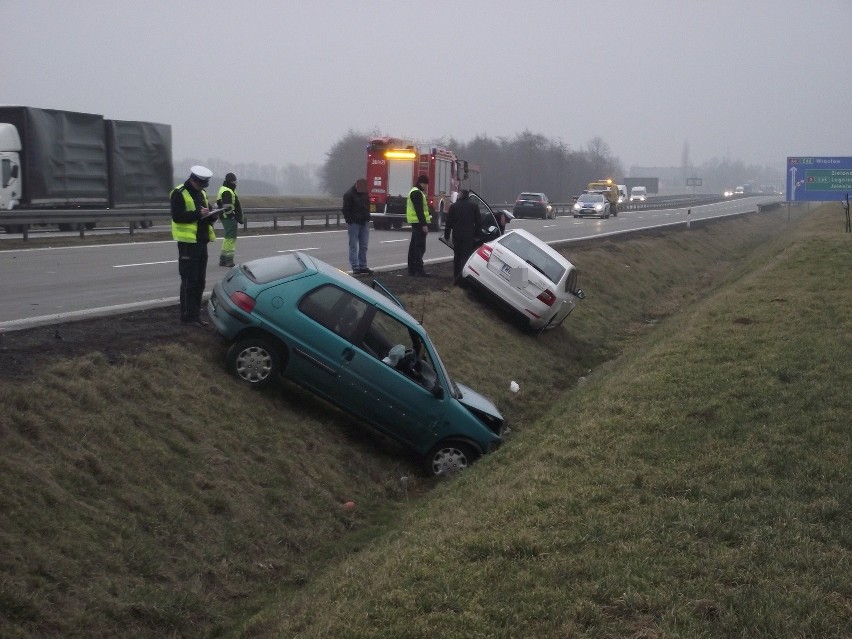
(592, 204)
(609, 189)
(51, 159)
(533, 205)
(638, 194)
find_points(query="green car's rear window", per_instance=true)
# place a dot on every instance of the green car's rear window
(270, 269)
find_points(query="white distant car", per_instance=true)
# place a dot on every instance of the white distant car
(638, 194)
(622, 193)
(527, 275)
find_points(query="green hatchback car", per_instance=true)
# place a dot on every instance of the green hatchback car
(356, 347)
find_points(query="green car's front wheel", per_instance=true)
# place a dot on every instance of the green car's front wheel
(449, 458)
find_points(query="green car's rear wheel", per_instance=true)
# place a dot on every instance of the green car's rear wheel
(255, 361)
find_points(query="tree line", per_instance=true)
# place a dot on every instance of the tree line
(509, 165)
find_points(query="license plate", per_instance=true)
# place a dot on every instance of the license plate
(506, 271)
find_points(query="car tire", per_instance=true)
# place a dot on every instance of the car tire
(448, 458)
(254, 361)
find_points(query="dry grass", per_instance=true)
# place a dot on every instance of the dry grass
(694, 485)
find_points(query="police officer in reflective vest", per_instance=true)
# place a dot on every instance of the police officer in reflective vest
(417, 215)
(231, 217)
(192, 229)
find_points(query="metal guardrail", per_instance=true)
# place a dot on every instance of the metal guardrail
(19, 221)
(654, 202)
(80, 220)
(659, 202)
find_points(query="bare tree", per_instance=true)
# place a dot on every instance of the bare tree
(345, 162)
(599, 157)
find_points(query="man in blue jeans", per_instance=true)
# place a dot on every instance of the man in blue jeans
(356, 214)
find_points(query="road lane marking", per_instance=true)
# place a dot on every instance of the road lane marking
(143, 264)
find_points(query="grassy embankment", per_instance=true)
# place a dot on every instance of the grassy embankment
(696, 483)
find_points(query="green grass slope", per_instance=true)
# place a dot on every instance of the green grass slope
(699, 486)
(694, 483)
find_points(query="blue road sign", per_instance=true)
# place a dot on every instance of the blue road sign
(814, 179)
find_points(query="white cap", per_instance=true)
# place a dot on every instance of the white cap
(201, 174)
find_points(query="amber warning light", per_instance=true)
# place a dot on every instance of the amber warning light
(400, 154)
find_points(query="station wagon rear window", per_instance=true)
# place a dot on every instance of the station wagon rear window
(534, 256)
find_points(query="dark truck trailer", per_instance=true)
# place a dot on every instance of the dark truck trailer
(71, 160)
(140, 163)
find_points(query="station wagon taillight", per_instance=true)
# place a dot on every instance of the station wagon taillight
(484, 252)
(547, 297)
(243, 301)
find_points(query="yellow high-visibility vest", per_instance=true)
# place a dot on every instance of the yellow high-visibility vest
(411, 214)
(223, 189)
(188, 231)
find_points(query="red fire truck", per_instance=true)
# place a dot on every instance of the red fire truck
(393, 165)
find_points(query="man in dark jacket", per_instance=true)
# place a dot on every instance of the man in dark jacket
(356, 214)
(464, 221)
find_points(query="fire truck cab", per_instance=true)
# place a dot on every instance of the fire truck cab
(393, 166)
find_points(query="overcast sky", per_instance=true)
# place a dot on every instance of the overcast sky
(278, 82)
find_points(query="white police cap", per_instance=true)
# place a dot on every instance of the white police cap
(201, 174)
